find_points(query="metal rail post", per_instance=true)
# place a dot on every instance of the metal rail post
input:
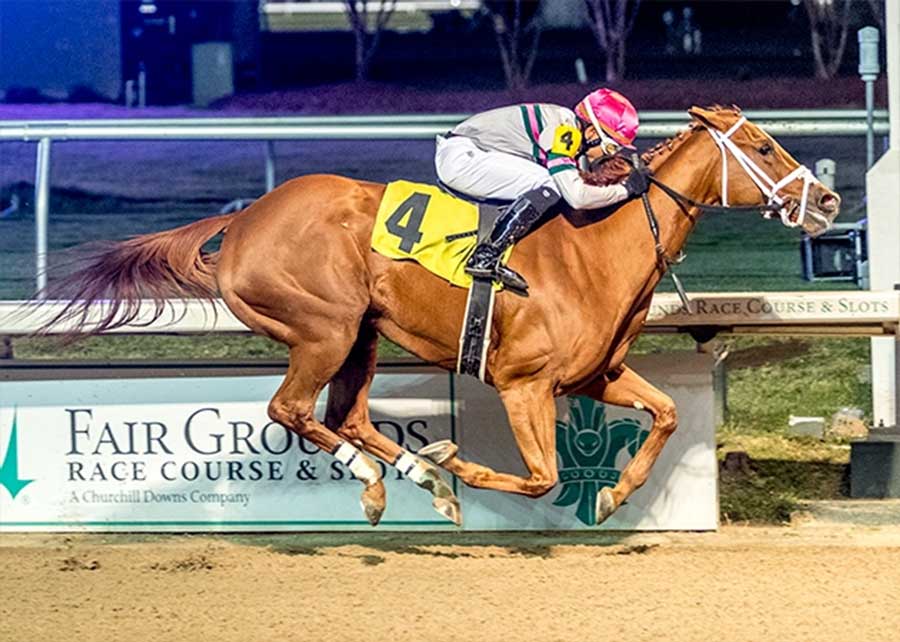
(869, 68)
(41, 212)
(826, 169)
(270, 165)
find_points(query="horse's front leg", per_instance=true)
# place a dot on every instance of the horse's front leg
(629, 389)
(532, 416)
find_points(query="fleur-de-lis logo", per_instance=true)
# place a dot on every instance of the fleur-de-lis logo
(593, 454)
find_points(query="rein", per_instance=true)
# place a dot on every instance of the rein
(683, 199)
(664, 262)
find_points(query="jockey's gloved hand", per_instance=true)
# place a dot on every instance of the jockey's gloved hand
(638, 182)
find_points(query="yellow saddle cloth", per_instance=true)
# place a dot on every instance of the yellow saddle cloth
(420, 222)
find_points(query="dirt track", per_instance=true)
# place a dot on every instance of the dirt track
(739, 584)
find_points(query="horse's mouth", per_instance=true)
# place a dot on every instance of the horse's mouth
(789, 212)
(816, 228)
(814, 222)
(793, 212)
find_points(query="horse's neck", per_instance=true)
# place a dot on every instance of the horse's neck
(626, 237)
(682, 171)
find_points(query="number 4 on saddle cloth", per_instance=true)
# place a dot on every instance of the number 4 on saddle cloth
(427, 225)
(439, 231)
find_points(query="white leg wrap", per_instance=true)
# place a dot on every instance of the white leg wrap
(411, 467)
(361, 466)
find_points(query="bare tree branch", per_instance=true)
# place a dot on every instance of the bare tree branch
(517, 30)
(367, 32)
(612, 22)
(829, 25)
(877, 7)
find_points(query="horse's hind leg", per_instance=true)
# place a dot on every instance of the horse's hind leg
(348, 415)
(532, 417)
(318, 346)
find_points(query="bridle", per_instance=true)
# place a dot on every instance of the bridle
(775, 203)
(766, 185)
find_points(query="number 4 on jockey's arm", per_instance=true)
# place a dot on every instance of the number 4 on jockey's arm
(530, 154)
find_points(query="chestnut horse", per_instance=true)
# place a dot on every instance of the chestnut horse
(297, 266)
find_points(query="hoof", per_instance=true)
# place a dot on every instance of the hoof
(439, 451)
(373, 502)
(606, 505)
(449, 508)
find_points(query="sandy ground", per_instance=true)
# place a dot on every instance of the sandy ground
(798, 583)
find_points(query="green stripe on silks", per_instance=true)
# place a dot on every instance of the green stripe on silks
(561, 168)
(526, 122)
(540, 124)
(540, 118)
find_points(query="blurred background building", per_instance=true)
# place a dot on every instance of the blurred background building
(194, 51)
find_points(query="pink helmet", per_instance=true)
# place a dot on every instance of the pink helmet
(611, 112)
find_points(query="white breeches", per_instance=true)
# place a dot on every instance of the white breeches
(470, 170)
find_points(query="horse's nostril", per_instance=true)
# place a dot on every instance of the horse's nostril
(829, 203)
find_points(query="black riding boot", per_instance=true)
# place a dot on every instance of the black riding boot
(513, 225)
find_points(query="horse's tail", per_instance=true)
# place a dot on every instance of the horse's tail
(120, 275)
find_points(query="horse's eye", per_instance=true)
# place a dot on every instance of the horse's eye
(765, 150)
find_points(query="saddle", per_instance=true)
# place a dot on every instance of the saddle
(439, 228)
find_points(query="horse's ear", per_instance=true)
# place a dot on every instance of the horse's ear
(713, 118)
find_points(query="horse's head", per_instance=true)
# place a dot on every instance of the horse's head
(754, 169)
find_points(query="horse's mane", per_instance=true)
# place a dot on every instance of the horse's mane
(610, 171)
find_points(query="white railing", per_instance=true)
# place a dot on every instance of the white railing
(851, 312)
(654, 124)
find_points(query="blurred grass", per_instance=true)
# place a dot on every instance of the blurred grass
(734, 252)
(112, 347)
(183, 348)
(784, 472)
(728, 252)
(769, 379)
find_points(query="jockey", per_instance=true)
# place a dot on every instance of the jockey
(530, 154)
